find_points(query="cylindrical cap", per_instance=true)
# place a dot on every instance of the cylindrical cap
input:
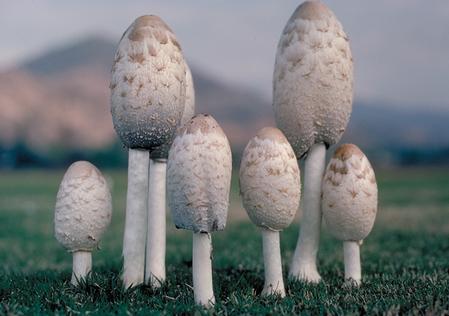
(349, 199)
(312, 80)
(199, 172)
(269, 180)
(148, 84)
(83, 207)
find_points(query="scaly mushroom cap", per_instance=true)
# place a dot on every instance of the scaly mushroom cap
(269, 180)
(189, 108)
(312, 81)
(199, 172)
(83, 207)
(349, 199)
(148, 84)
(189, 111)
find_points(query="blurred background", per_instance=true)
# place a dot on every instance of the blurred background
(55, 60)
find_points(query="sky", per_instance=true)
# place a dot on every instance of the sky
(400, 47)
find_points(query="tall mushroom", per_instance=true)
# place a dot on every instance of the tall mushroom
(350, 204)
(147, 101)
(155, 245)
(270, 188)
(198, 184)
(82, 214)
(312, 100)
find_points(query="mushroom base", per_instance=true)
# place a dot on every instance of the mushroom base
(353, 270)
(82, 265)
(155, 248)
(274, 282)
(202, 270)
(136, 218)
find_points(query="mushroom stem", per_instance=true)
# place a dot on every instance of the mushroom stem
(82, 265)
(136, 218)
(155, 252)
(202, 269)
(353, 270)
(274, 282)
(304, 260)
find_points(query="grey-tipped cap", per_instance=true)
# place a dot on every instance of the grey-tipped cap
(313, 78)
(199, 172)
(148, 84)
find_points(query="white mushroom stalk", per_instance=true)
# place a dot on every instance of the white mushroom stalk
(203, 289)
(136, 215)
(148, 88)
(198, 185)
(82, 214)
(350, 204)
(270, 187)
(305, 256)
(312, 99)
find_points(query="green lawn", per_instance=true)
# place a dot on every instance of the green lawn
(405, 259)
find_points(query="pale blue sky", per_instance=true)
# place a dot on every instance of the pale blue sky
(400, 47)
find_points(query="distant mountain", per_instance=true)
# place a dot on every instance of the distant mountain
(61, 100)
(94, 52)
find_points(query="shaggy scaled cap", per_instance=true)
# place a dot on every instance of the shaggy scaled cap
(148, 85)
(199, 172)
(349, 199)
(269, 180)
(313, 78)
(83, 207)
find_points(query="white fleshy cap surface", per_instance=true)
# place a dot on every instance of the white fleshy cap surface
(270, 180)
(349, 199)
(313, 78)
(148, 85)
(199, 172)
(83, 207)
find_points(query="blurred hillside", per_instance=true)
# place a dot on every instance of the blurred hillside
(55, 109)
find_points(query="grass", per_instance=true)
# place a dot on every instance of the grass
(405, 258)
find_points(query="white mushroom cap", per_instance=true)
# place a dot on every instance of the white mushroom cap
(199, 172)
(269, 180)
(148, 84)
(83, 207)
(313, 78)
(349, 199)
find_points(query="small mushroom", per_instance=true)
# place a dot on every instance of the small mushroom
(349, 204)
(82, 214)
(312, 100)
(270, 187)
(148, 92)
(198, 184)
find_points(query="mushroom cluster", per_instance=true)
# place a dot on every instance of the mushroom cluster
(312, 100)
(189, 158)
